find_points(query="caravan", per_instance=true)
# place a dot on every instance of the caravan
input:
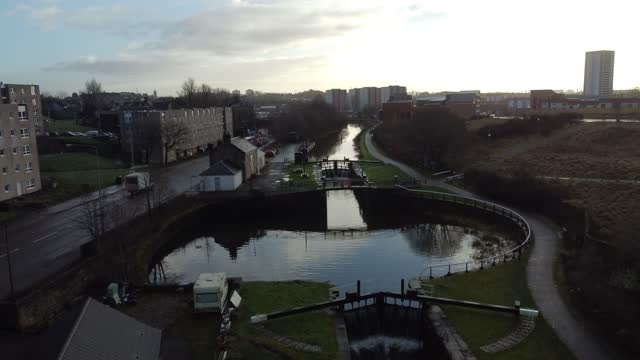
(210, 292)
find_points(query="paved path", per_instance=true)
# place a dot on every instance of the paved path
(606, 181)
(540, 277)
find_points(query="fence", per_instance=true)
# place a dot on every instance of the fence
(448, 269)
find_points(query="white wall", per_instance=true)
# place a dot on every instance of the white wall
(227, 182)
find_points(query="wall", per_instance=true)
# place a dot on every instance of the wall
(227, 182)
(9, 121)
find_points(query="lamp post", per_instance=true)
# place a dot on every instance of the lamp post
(4, 207)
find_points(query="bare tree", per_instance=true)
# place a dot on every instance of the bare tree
(93, 218)
(205, 96)
(189, 92)
(93, 87)
(173, 134)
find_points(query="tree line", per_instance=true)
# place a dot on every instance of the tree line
(307, 120)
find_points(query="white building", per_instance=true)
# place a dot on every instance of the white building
(221, 176)
(598, 73)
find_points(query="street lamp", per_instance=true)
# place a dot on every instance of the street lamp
(4, 207)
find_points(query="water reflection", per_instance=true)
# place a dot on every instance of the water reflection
(337, 146)
(343, 211)
(379, 258)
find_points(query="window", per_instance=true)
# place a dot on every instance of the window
(0, 133)
(26, 149)
(207, 298)
(11, 90)
(34, 102)
(24, 132)
(4, 170)
(22, 112)
(33, 90)
(15, 151)
(1, 152)
(22, 91)
(17, 167)
(7, 188)
(13, 132)
(31, 183)
(10, 115)
(28, 167)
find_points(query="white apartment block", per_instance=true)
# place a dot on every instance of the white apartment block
(598, 73)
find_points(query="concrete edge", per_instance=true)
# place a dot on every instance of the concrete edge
(456, 347)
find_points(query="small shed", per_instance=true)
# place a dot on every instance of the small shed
(221, 176)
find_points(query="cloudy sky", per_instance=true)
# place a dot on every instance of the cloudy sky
(293, 45)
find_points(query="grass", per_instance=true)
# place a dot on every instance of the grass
(75, 174)
(294, 173)
(500, 285)
(264, 297)
(66, 125)
(75, 162)
(480, 123)
(80, 140)
(378, 174)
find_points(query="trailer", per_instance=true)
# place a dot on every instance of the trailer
(210, 292)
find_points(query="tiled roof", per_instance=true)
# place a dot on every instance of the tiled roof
(220, 168)
(242, 144)
(101, 332)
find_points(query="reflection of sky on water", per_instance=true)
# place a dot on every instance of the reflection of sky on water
(378, 258)
(337, 147)
(343, 211)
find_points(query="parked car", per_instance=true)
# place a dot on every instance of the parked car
(92, 133)
(68, 133)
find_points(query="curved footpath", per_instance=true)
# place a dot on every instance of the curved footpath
(540, 279)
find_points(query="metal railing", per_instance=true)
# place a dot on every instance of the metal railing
(504, 256)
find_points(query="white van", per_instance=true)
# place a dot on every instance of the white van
(137, 181)
(210, 292)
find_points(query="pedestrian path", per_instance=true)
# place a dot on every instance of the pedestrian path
(540, 273)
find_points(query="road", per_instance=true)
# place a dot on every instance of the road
(540, 278)
(43, 242)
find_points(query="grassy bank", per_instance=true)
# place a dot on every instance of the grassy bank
(315, 328)
(294, 172)
(500, 285)
(66, 125)
(75, 173)
(378, 174)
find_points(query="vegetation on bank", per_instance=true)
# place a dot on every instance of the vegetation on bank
(501, 285)
(294, 172)
(61, 126)
(65, 176)
(316, 328)
(433, 140)
(378, 174)
(308, 120)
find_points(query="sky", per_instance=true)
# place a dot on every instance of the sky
(295, 45)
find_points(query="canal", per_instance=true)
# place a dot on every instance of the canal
(352, 248)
